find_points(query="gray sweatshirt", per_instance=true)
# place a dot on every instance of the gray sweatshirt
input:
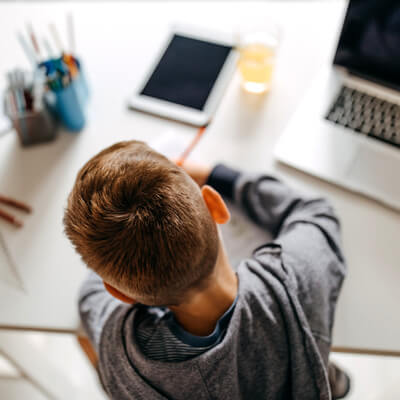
(277, 342)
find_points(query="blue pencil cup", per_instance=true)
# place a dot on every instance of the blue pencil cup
(70, 104)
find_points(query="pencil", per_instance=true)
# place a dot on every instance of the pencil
(48, 48)
(11, 219)
(57, 38)
(32, 36)
(71, 33)
(15, 204)
(27, 49)
(14, 112)
(191, 146)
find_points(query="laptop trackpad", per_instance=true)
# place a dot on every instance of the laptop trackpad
(377, 174)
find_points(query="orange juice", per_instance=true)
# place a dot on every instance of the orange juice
(256, 64)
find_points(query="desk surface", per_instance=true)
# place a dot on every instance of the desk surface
(117, 40)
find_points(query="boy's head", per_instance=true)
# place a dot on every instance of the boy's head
(141, 223)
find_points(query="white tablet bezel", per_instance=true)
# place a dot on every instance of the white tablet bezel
(182, 113)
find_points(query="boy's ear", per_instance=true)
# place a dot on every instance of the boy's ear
(216, 205)
(117, 294)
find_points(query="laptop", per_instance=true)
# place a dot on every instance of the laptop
(347, 128)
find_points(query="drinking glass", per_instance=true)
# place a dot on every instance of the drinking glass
(258, 47)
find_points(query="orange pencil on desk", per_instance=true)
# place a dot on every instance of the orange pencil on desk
(191, 146)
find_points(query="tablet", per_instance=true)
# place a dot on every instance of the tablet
(188, 78)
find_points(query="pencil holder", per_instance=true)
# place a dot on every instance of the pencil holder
(83, 86)
(32, 127)
(70, 103)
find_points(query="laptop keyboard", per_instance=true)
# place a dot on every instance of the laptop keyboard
(367, 114)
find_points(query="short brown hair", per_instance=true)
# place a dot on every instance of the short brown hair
(140, 222)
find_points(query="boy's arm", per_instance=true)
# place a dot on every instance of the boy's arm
(307, 230)
(279, 209)
(274, 205)
(95, 306)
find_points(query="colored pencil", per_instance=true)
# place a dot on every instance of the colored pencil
(11, 219)
(57, 38)
(30, 54)
(15, 203)
(32, 36)
(71, 33)
(48, 48)
(191, 146)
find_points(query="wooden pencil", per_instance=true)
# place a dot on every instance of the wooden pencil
(15, 203)
(11, 219)
(191, 146)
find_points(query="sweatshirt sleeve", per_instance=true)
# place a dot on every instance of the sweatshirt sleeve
(276, 207)
(307, 230)
(95, 306)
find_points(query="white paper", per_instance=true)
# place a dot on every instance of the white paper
(172, 144)
(8, 270)
(240, 235)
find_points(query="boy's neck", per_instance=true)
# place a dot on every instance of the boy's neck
(200, 315)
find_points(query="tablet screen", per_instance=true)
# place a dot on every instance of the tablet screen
(187, 72)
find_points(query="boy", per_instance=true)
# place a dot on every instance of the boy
(192, 327)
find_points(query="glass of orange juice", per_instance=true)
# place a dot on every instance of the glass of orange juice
(258, 47)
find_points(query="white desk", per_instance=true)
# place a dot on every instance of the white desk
(116, 41)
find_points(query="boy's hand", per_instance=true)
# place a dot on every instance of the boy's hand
(198, 172)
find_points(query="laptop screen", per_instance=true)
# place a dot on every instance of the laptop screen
(369, 45)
